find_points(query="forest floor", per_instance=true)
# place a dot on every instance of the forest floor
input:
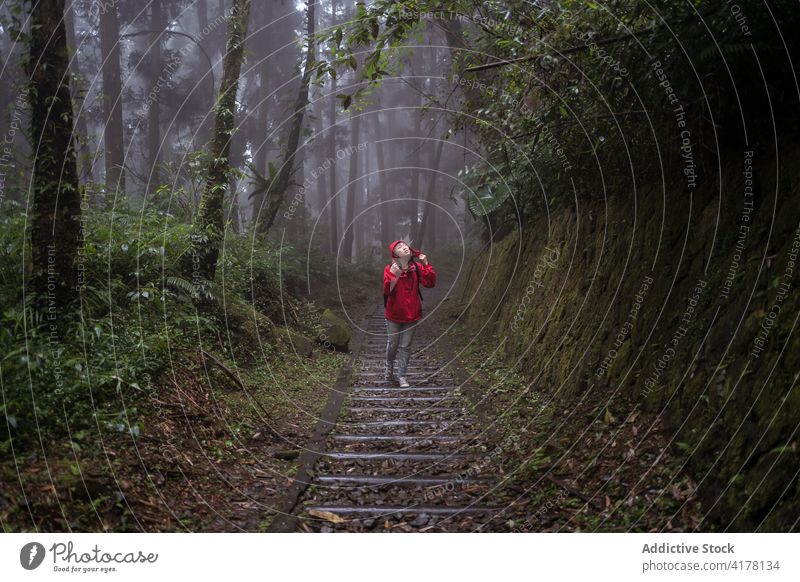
(572, 465)
(541, 465)
(207, 457)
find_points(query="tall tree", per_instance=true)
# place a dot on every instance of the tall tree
(82, 131)
(352, 185)
(154, 110)
(333, 207)
(428, 212)
(112, 96)
(262, 38)
(56, 197)
(277, 191)
(210, 223)
(383, 180)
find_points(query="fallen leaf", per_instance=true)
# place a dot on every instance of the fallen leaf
(326, 515)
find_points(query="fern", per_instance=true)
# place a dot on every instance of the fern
(487, 199)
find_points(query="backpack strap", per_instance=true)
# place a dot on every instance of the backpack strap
(419, 291)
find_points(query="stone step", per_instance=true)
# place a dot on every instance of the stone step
(383, 510)
(400, 438)
(410, 456)
(414, 480)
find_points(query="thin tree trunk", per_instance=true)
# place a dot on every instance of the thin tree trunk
(112, 99)
(210, 224)
(428, 211)
(55, 225)
(383, 181)
(154, 110)
(419, 143)
(82, 131)
(334, 203)
(361, 223)
(277, 192)
(233, 213)
(207, 92)
(319, 151)
(262, 38)
(349, 227)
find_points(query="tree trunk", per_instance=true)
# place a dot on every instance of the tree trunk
(349, 227)
(418, 144)
(210, 224)
(112, 99)
(261, 154)
(428, 211)
(277, 192)
(334, 200)
(319, 151)
(383, 182)
(362, 230)
(207, 91)
(55, 226)
(154, 110)
(82, 131)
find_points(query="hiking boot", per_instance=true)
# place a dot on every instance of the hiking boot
(403, 382)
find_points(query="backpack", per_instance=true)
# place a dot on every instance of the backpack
(419, 291)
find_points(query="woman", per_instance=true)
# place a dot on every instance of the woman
(401, 280)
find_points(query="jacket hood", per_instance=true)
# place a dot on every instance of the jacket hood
(414, 252)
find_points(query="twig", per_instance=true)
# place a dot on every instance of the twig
(241, 385)
(570, 489)
(600, 42)
(225, 369)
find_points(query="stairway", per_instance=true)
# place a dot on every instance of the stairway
(400, 459)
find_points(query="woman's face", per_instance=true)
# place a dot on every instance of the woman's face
(402, 250)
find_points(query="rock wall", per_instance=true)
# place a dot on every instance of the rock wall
(681, 303)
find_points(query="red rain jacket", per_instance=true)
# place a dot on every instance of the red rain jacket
(403, 304)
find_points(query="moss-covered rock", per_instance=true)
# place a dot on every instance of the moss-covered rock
(692, 360)
(335, 332)
(298, 343)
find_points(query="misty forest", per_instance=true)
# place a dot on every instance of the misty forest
(197, 204)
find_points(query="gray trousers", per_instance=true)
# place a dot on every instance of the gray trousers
(398, 344)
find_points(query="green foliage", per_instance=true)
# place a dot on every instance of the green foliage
(577, 106)
(137, 312)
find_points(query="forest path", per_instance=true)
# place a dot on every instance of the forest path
(401, 459)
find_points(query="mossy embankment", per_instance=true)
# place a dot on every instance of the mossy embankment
(681, 305)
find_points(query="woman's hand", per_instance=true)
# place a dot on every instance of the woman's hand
(423, 258)
(394, 269)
